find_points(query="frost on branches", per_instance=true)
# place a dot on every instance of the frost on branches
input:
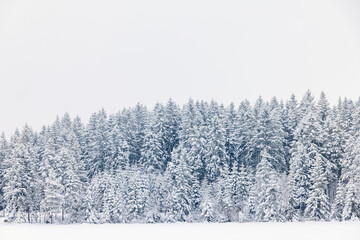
(204, 162)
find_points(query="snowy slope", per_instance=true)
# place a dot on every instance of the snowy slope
(278, 231)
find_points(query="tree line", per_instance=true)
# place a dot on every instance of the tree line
(203, 162)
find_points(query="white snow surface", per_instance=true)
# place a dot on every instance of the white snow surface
(226, 231)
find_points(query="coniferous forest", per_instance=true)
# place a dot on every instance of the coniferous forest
(293, 160)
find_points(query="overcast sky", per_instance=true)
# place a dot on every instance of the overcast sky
(78, 56)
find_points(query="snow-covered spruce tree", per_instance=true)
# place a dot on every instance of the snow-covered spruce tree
(306, 105)
(172, 120)
(346, 111)
(136, 195)
(243, 131)
(132, 209)
(351, 205)
(50, 161)
(109, 199)
(53, 202)
(21, 178)
(154, 200)
(317, 205)
(208, 202)
(193, 136)
(323, 108)
(215, 158)
(135, 128)
(299, 183)
(252, 146)
(143, 189)
(16, 183)
(337, 206)
(182, 188)
(307, 148)
(153, 154)
(290, 120)
(75, 182)
(335, 148)
(79, 130)
(31, 166)
(232, 124)
(225, 204)
(267, 206)
(349, 179)
(165, 195)
(119, 150)
(267, 133)
(328, 144)
(3, 155)
(95, 198)
(277, 139)
(113, 210)
(98, 145)
(240, 183)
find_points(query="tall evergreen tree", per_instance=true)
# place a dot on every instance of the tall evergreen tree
(267, 133)
(3, 155)
(182, 187)
(153, 154)
(266, 186)
(317, 205)
(53, 201)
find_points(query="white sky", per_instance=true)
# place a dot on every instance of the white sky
(79, 56)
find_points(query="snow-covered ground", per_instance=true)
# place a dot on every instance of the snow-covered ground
(278, 231)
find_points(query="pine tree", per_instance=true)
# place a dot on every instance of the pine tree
(109, 213)
(172, 120)
(244, 132)
(193, 138)
(306, 105)
(21, 178)
(267, 133)
(266, 186)
(95, 198)
(351, 206)
(15, 189)
(232, 124)
(299, 183)
(328, 144)
(240, 190)
(154, 200)
(98, 144)
(224, 195)
(182, 192)
(53, 202)
(207, 203)
(338, 204)
(306, 149)
(153, 155)
(132, 207)
(75, 182)
(33, 178)
(3, 155)
(119, 150)
(317, 205)
(350, 176)
(290, 119)
(215, 157)
(136, 128)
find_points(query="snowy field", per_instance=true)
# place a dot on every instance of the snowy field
(278, 231)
